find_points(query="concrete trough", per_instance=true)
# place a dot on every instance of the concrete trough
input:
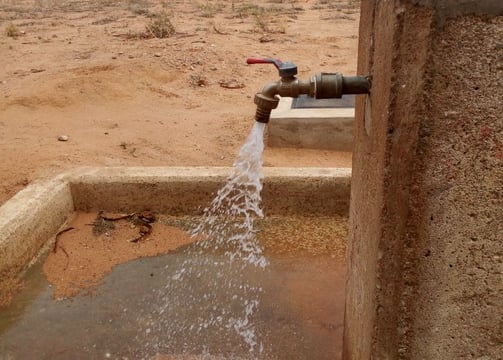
(32, 218)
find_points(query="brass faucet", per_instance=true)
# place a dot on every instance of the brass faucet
(320, 86)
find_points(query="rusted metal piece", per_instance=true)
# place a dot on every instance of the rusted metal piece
(55, 248)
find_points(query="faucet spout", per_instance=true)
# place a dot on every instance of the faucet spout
(320, 86)
(268, 98)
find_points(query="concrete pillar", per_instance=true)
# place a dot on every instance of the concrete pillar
(425, 273)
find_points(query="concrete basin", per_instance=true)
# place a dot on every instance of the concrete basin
(140, 302)
(30, 220)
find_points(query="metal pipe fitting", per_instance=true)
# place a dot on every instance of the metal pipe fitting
(320, 86)
(265, 104)
(334, 85)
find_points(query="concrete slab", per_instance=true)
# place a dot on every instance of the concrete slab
(32, 218)
(315, 128)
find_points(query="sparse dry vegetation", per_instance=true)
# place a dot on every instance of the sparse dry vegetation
(12, 31)
(209, 9)
(267, 19)
(160, 25)
(346, 6)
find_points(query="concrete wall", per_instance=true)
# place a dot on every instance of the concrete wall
(425, 274)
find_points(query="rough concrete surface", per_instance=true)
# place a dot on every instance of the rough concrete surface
(457, 205)
(189, 190)
(425, 261)
(29, 219)
(448, 9)
(314, 128)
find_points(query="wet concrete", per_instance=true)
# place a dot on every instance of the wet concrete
(300, 315)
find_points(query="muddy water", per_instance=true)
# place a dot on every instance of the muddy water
(300, 314)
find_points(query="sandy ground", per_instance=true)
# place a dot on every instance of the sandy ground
(91, 71)
(91, 247)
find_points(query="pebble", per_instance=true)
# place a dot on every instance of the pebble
(157, 54)
(63, 138)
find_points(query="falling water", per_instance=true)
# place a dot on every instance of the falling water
(210, 300)
(228, 221)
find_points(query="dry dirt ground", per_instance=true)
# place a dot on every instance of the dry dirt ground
(93, 70)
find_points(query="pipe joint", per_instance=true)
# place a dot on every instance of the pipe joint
(265, 104)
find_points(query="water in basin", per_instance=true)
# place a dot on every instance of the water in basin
(300, 314)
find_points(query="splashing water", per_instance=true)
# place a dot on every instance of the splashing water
(210, 300)
(229, 219)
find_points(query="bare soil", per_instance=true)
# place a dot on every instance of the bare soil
(92, 71)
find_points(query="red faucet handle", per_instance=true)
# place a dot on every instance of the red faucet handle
(275, 62)
(286, 69)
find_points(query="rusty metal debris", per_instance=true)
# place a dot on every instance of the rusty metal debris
(143, 220)
(55, 248)
(57, 245)
(145, 230)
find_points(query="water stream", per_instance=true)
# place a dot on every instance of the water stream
(230, 298)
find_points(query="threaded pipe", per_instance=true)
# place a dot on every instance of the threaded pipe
(262, 115)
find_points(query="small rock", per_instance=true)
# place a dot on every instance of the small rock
(63, 138)
(222, 157)
(114, 57)
(231, 84)
(130, 56)
(266, 38)
(157, 54)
